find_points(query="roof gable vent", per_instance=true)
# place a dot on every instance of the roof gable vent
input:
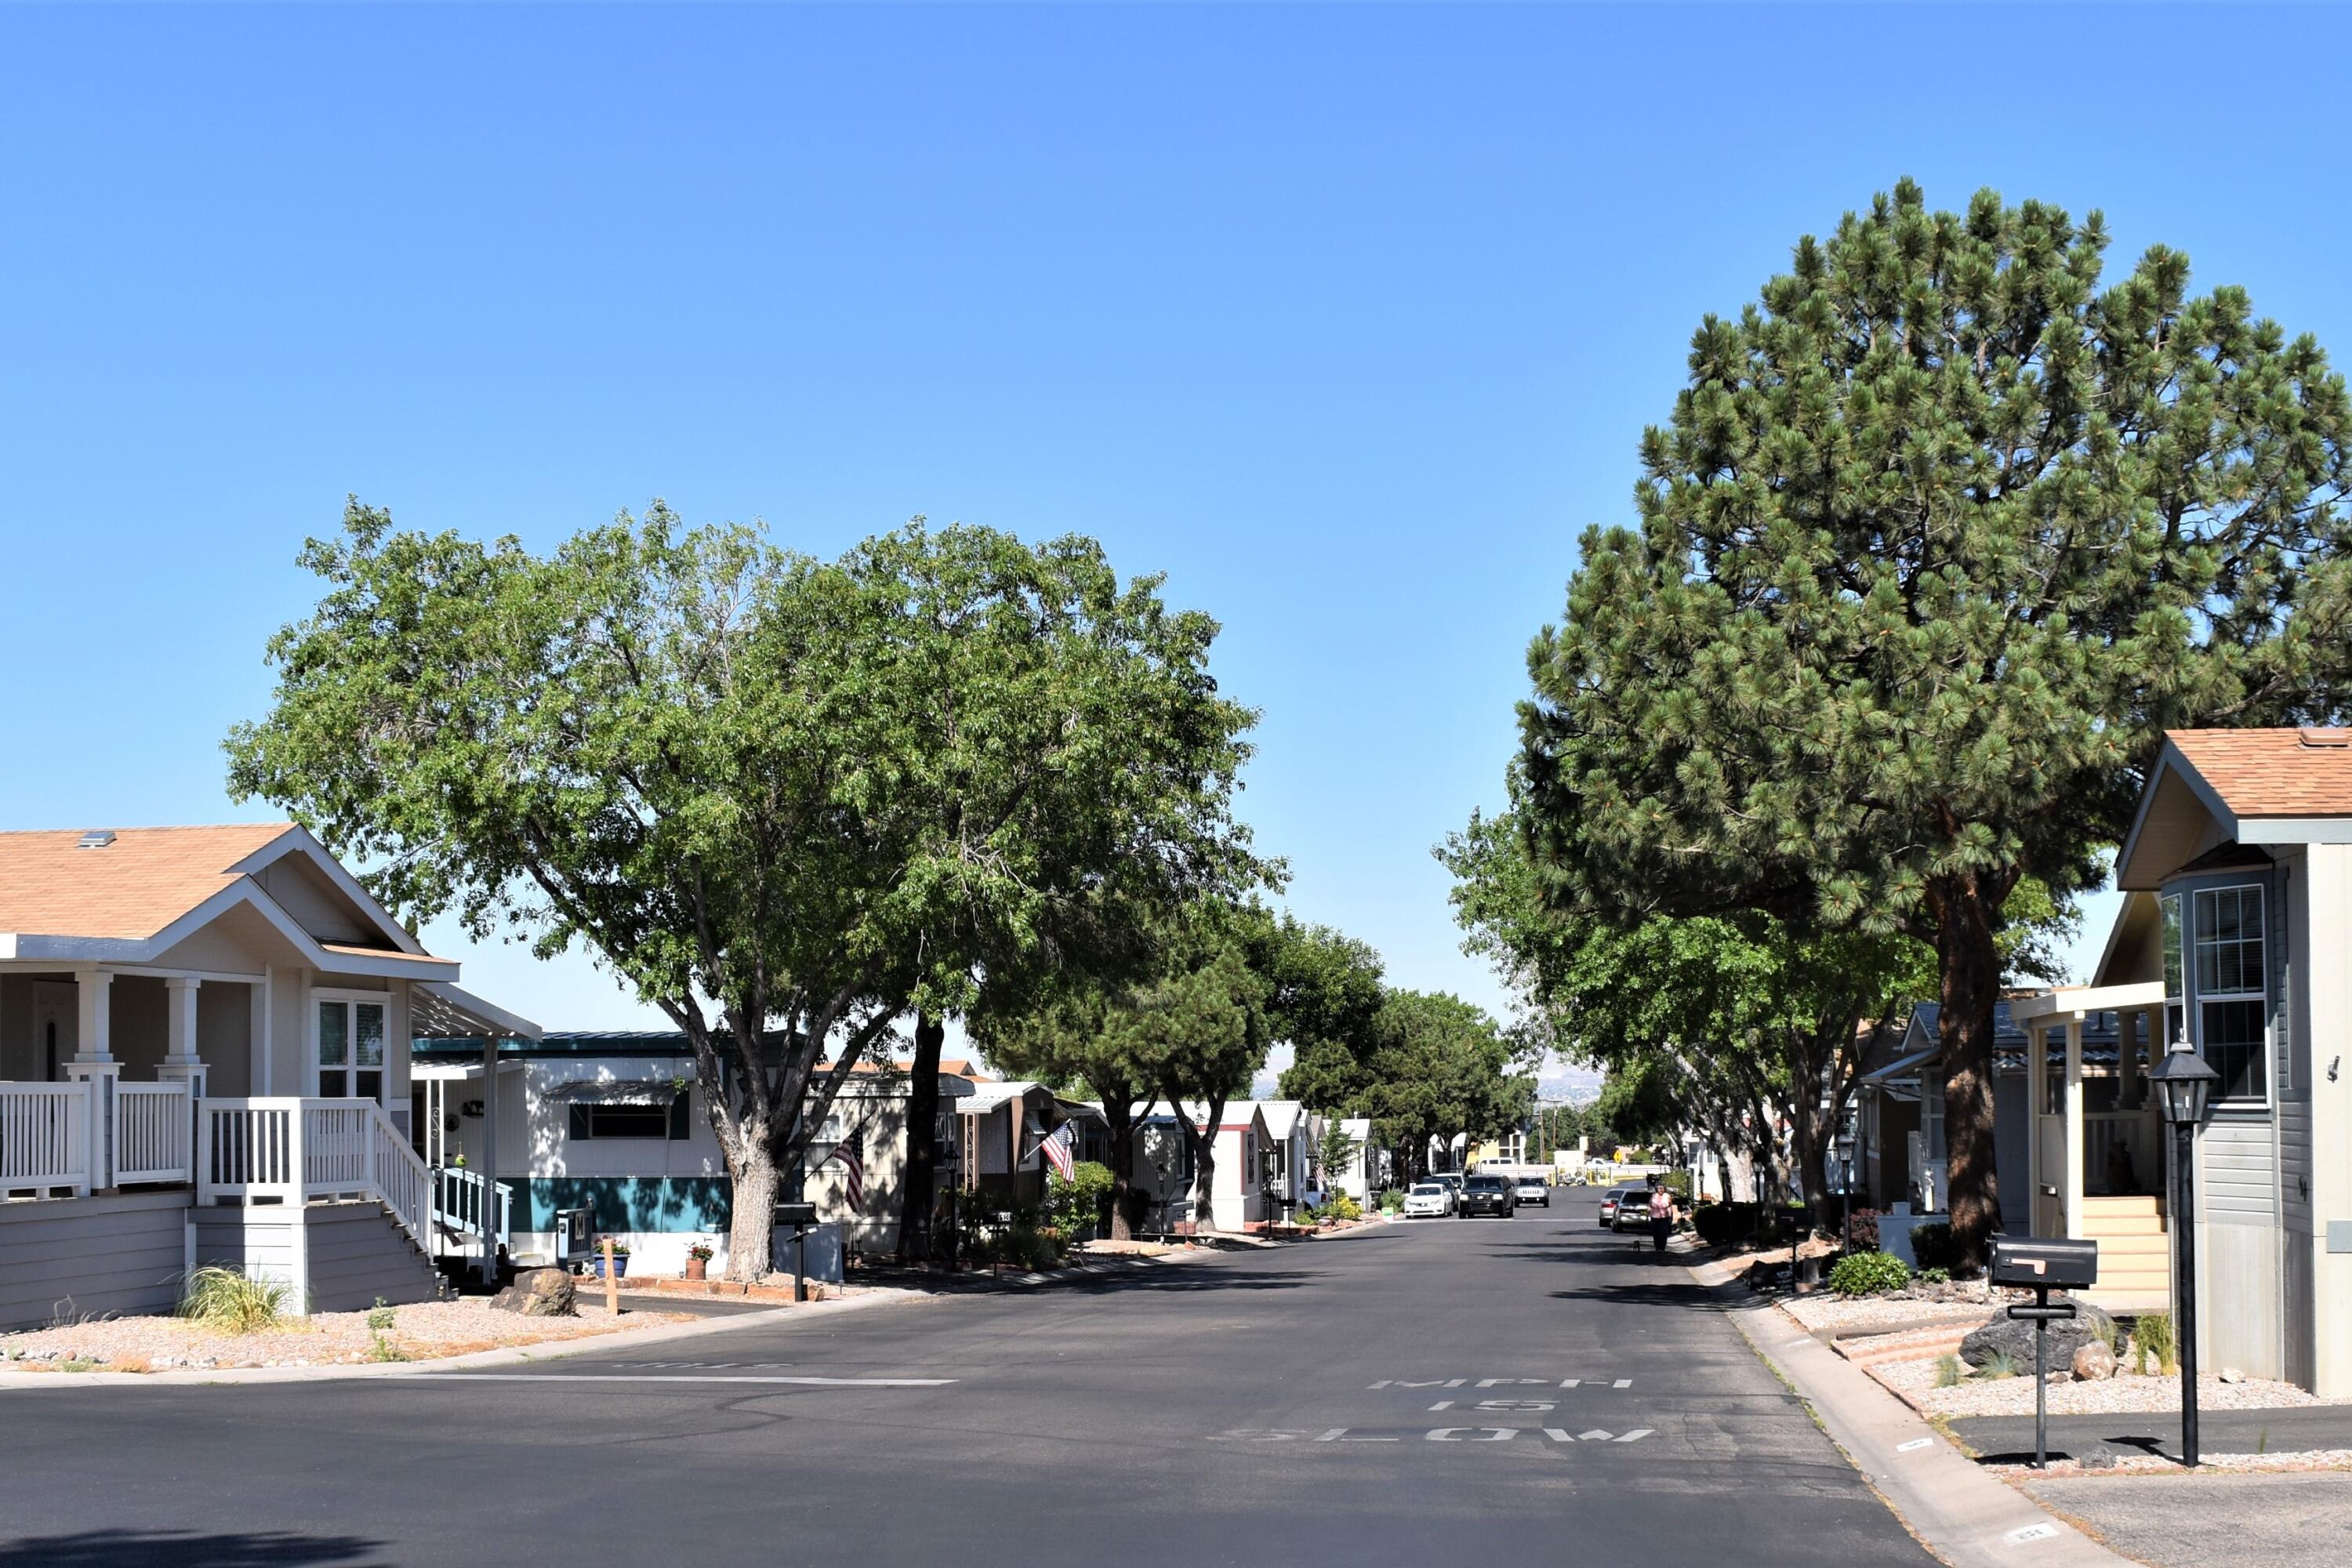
(2312, 735)
(96, 838)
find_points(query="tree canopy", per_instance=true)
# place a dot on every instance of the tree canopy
(786, 799)
(1937, 540)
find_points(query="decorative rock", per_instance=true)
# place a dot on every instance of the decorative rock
(2002, 1332)
(540, 1293)
(2095, 1362)
(2060, 1375)
(2232, 1375)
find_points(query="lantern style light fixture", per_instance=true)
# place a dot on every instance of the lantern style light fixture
(2184, 1083)
(1845, 1186)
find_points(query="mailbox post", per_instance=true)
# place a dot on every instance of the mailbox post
(800, 1217)
(2042, 1266)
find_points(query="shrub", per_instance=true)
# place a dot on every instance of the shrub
(1080, 1204)
(1935, 1276)
(1949, 1371)
(1717, 1224)
(1868, 1273)
(1679, 1183)
(381, 1317)
(1931, 1246)
(231, 1300)
(2155, 1332)
(1341, 1206)
(1391, 1199)
(1998, 1366)
(1863, 1228)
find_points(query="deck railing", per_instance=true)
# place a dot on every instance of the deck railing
(459, 1197)
(151, 1132)
(288, 1151)
(44, 1137)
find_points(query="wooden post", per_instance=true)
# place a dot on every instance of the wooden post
(611, 1281)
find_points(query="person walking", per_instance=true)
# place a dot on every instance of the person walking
(1662, 1214)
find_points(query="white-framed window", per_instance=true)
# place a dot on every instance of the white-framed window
(2232, 990)
(349, 1035)
(2176, 1015)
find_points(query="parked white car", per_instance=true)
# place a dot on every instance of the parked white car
(1428, 1200)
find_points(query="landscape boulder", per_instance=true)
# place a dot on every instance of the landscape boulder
(540, 1293)
(2095, 1362)
(2003, 1333)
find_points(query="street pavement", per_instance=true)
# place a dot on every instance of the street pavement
(2291, 1520)
(2135, 1435)
(1531, 1390)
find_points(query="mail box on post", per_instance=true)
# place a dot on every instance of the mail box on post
(2042, 1263)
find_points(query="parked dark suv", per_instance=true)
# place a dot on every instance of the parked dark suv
(1488, 1195)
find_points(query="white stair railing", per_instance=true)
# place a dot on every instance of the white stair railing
(151, 1133)
(45, 1136)
(459, 1199)
(292, 1151)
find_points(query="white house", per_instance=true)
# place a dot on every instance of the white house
(204, 1057)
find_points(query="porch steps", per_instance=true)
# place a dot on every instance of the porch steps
(2135, 1253)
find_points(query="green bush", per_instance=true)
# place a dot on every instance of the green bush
(1391, 1199)
(1932, 1247)
(1339, 1205)
(2154, 1335)
(1949, 1371)
(1868, 1273)
(1081, 1204)
(1679, 1183)
(1935, 1276)
(1998, 1366)
(231, 1300)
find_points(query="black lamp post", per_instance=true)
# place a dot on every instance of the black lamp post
(2183, 1082)
(1845, 1164)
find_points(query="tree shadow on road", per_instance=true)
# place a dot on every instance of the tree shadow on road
(1219, 1279)
(184, 1549)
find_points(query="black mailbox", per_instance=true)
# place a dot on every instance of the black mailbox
(795, 1214)
(2034, 1262)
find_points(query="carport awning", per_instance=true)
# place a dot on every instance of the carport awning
(440, 1011)
(1902, 1067)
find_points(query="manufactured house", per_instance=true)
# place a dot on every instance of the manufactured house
(2237, 875)
(203, 1057)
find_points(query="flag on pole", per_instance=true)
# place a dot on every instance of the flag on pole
(1056, 1148)
(851, 1153)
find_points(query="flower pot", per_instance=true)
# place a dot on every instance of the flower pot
(698, 1267)
(620, 1266)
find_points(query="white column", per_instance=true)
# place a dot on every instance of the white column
(490, 1159)
(180, 1060)
(257, 1036)
(2034, 1091)
(2072, 1183)
(93, 1062)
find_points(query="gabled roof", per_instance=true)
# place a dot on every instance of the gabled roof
(2250, 786)
(125, 895)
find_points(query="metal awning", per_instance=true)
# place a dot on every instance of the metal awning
(1902, 1067)
(615, 1092)
(438, 1010)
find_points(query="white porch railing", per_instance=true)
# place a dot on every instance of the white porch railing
(291, 1150)
(459, 1197)
(44, 1137)
(151, 1133)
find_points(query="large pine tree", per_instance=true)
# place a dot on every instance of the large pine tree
(1938, 539)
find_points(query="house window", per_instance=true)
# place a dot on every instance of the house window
(2232, 994)
(350, 1049)
(641, 1119)
(2175, 1014)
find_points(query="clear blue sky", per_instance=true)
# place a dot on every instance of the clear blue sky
(1346, 319)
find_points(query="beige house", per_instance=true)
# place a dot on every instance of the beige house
(2238, 880)
(204, 1057)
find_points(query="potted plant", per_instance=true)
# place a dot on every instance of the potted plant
(697, 1260)
(620, 1260)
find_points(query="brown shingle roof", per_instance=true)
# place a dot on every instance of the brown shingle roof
(2273, 773)
(132, 888)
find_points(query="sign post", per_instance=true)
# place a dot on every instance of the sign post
(2042, 1266)
(800, 1217)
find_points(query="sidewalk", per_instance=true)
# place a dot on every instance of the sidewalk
(2007, 1439)
(1965, 1516)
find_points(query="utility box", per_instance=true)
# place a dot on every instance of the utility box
(2047, 1264)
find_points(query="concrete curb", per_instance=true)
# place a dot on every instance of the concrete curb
(1967, 1517)
(505, 1355)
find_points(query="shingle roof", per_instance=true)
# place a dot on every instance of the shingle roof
(130, 890)
(2273, 773)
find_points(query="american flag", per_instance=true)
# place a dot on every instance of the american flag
(851, 1153)
(1056, 1148)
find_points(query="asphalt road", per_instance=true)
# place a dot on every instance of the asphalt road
(1443, 1392)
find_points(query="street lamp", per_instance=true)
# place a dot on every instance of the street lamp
(2183, 1082)
(1845, 1163)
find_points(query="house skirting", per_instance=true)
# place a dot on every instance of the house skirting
(66, 1258)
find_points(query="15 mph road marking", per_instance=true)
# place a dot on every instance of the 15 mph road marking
(684, 1377)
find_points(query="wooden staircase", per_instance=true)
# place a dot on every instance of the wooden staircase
(2134, 1254)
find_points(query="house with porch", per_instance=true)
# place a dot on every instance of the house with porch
(203, 1057)
(2237, 875)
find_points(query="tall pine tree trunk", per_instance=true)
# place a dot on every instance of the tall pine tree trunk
(751, 1228)
(1119, 1116)
(922, 1140)
(1971, 972)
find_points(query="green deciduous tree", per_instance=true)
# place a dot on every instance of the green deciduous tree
(787, 800)
(1939, 539)
(1438, 1066)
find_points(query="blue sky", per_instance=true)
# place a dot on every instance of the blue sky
(1346, 319)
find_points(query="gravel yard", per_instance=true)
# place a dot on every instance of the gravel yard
(1826, 1314)
(2123, 1393)
(421, 1332)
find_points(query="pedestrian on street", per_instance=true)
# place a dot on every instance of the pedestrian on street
(1662, 1214)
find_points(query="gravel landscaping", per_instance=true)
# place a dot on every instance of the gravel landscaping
(1827, 1313)
(1916, 1381)
(425, 1330)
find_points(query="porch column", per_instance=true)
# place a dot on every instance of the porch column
(93, 1063)
(181, 1064)
(489, 1160)
(2035, 1072)
(2072, 1179)
(2127, 1033)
